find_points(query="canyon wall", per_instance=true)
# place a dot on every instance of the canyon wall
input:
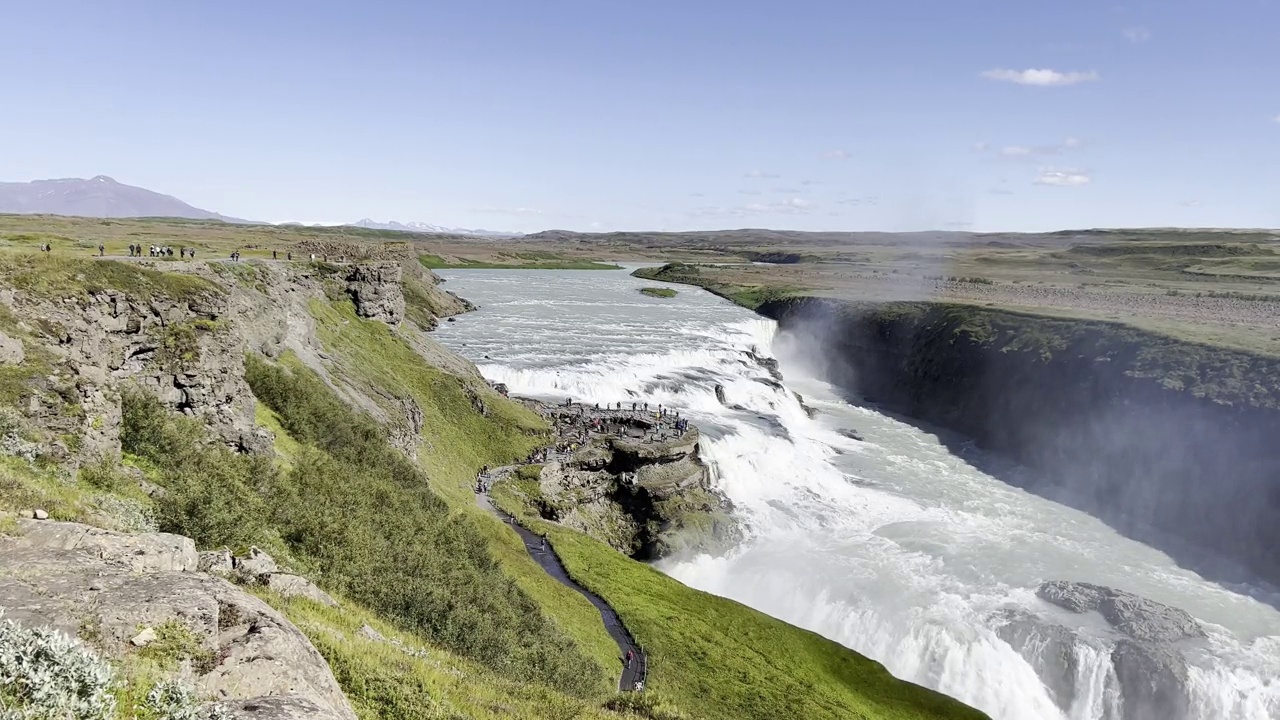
(1169, 441)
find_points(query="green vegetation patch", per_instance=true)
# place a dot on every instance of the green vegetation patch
(360, 519)
(658, 292)
(717, 659)
(748, 296)
(59, 276)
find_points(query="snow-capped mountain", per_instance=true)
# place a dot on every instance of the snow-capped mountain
(421, 227)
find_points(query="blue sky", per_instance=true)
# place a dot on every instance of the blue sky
(606, 115)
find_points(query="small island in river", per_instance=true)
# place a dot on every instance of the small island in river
(658, 292)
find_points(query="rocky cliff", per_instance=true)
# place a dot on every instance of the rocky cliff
(1160, 438)
(628, 480)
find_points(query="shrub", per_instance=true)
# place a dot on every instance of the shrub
(45, 674)
(171, 700)
(360, 516)
(210, 491)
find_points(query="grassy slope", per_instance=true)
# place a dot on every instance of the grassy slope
(458, 441)
(718, 659)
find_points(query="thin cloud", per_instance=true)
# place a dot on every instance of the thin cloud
(836, 155)
(786, 191)
(750, 192)
(981, 146)
(1137, 35)
(508, 211)
(1276, 119)
(790, 206)
(999, 191)
(762, 175)
(1041, 77)
(810, 183)
(1063, 178)
(1189, 203)
(1024, 152)
(698, 195)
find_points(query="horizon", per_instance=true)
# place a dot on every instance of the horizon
(494, 115)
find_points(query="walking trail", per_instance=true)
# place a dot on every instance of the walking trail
(633, 672)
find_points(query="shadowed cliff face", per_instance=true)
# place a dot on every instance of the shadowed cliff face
(1170, 442)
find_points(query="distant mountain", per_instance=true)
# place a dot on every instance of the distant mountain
(420, 227)
(96, 197)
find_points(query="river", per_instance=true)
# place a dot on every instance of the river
(893, 546)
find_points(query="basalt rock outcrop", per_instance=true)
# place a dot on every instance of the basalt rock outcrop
(1157, 436)
(1150, 678)
(638, 487)
(115, 591)
(376, 291)
(96, 343)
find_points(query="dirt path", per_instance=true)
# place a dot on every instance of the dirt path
(633, 672)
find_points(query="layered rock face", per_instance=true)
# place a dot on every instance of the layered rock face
(1138, 429)
(114, 591)
(642, 491)
(181, 350)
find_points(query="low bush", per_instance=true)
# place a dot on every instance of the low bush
(362, 520)
(45, 674)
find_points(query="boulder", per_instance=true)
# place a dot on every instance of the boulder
(11, 350)
(217, 562)
(1135, 616)
(297, 586)
(103, 586)
(257, 566)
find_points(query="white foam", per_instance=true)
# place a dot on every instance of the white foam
(894, 546)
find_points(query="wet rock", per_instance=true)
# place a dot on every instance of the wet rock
(720, 394)
(1153, 681)
(1133, 615)
(850, 433)
(1048, 648)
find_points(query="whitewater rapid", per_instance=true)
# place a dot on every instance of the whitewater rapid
(891, 545)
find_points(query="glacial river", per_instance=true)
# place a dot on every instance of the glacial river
(893, 546)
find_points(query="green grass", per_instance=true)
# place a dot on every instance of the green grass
(717, 659)
(513, 262)
(360, 519)
(382, 680)
(57, 276)
(459, 441)
(748, 296)
(658, 292)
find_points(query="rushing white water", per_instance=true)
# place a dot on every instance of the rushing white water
(893, 546)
